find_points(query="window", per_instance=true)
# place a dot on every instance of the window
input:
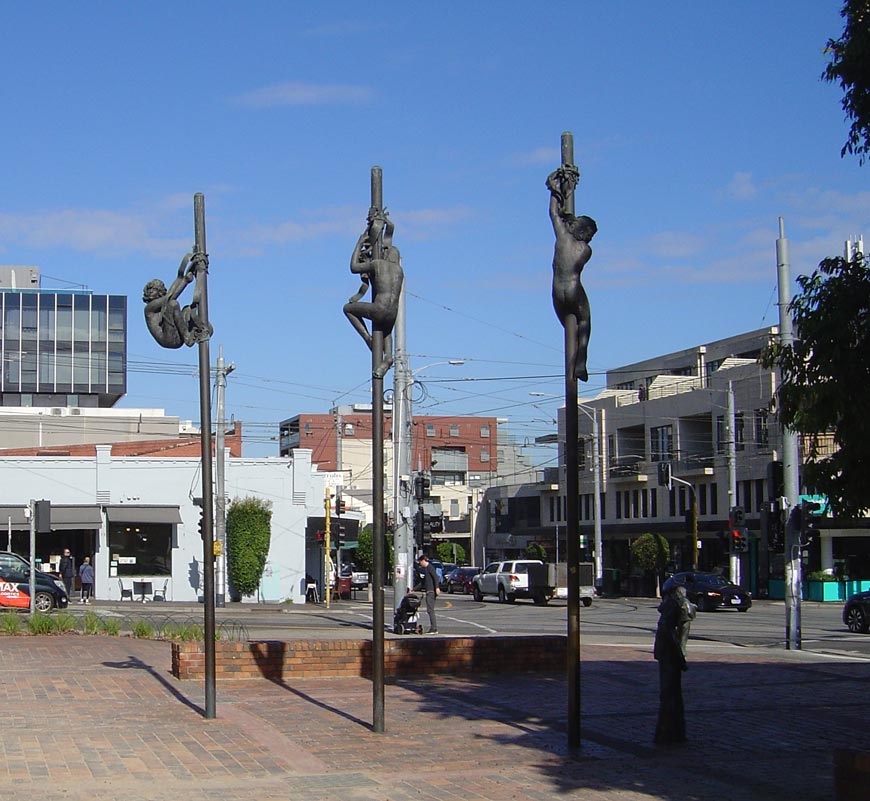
(454, 430)
(484, 432)
(141, 549)
(307, 427)
(430, 429)
(714, 499)
(721, 434)
(739, 436)
(484, 456)
(702, 499)
(644, 500)
(762, 432)
(661, 444)
(618, 505)
(348, 429)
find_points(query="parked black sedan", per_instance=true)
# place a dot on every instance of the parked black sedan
(856, 612)
(710, 591)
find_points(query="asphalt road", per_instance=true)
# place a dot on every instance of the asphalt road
(609, 621)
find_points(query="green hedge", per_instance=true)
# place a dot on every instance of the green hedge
(249, 532)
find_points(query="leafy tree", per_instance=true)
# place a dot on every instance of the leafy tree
(534, 550)
(850, 66)
(825, 387)
(365, 551)
(249, 531)
(650, 553)
(446, 553)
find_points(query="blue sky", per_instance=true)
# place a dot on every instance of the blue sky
(696, 125)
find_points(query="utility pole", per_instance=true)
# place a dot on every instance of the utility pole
(596, 503)
(220, 506)
(327, 547)
(734, 559)
(403, 545)
(790, 457)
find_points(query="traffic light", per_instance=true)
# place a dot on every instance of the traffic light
(739, 540)
(339, 536)
(42, 517)
(340, 506)
(665, 475)
(422, 486)
(202, 524)
(737, 517)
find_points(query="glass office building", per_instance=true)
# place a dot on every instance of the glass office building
(62, 348)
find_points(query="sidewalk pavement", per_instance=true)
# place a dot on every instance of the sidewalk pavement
(101, 717)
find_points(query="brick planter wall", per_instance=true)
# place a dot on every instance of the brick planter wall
(411, 655)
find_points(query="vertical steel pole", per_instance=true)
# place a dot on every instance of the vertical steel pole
(220, 507)
(33, 556)
(596, 502)
(205, 440)
(402, 410)
(731, 433)
(378, 532)
(572, 489)
(790, 459)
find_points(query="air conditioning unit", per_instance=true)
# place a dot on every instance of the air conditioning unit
(57, 411)
(75, 410)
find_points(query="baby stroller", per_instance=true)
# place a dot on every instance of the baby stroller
(405, 620)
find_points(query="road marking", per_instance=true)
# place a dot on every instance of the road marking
(470, 623)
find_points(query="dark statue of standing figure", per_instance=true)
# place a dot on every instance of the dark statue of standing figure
(168, 323)
(573, 235)
(676, 613)
(378, 262)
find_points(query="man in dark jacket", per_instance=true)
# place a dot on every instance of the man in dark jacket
(430, 591)
(68, 571)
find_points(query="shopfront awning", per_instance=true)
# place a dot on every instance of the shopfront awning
(63, 518)
(130, 513)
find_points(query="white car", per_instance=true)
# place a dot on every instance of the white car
(508, 580)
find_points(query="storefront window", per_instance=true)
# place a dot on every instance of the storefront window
(140, 549)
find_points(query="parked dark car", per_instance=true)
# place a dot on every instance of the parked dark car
(15, 587)
(856, 612)
(460, 580)
(710, 591)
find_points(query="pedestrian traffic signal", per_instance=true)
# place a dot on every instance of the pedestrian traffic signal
(339, 536)
(737, 517)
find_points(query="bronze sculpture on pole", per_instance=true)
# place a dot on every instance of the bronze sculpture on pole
(571, 254)
(173, 326)
(378, 263)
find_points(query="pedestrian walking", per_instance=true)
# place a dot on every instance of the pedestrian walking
(675, 615)
(430, 591)
(86, 577)
(68, 571)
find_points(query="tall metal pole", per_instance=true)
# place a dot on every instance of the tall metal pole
(790, 463)
(200, 256)
(32, 556)
(572, 489)
(220, 507)
(378, 532)
(402, 382)
(730, 421)
(596, 502)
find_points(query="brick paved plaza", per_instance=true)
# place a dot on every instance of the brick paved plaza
(101, 717)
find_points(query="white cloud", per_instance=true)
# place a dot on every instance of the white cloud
(741, 187)
(95, 231)
(297, 93)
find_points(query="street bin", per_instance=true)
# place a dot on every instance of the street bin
(342, 587)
